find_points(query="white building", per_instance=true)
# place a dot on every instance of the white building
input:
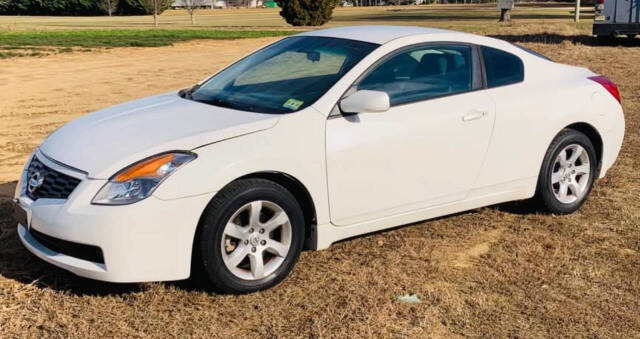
(221, 3)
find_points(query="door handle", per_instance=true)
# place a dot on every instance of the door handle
(474, 115)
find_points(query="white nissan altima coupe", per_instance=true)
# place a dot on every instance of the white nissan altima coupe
(315, 138)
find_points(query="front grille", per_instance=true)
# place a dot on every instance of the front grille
(72, 249)
(55, 185)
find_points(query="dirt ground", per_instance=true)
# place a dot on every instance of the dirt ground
(497, 271)
(37, 95)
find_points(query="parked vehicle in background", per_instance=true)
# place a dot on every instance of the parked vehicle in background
(616, 18)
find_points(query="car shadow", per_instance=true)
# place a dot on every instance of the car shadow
(20, 265)
(519, 207)
(552, 38)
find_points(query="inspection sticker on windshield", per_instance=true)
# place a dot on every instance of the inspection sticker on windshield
(293, 104)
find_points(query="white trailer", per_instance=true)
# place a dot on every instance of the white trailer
(617, 17)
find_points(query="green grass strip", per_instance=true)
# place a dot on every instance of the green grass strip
(125, 37)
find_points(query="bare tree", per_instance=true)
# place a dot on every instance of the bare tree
(109, 6)
(191, 6)
(154, 6)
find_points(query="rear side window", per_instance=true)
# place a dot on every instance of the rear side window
(502, 68)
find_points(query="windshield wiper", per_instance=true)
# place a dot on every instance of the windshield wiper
(219, 102)
(187, 93)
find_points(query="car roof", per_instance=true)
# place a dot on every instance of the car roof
(375, 34)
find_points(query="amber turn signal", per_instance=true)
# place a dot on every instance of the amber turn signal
(148, 168)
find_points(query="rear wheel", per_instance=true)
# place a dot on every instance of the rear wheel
(569, 169)
(251, 236)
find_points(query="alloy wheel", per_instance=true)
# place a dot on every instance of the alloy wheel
(570, 174)
(256, 240)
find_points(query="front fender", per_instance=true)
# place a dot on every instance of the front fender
(295, 146)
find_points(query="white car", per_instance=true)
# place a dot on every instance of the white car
(318, 137)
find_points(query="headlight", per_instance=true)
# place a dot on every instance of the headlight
(21, 186)
(139, 180)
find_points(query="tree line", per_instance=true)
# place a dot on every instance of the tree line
(82, 7)
(296, 12)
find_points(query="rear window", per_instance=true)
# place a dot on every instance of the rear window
(502, 68)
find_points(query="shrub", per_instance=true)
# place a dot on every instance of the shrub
(307, 12)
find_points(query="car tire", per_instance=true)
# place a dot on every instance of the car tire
(564, 183)
(223, 238)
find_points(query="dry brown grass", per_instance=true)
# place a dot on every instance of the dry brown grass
(498, 271)
(448, 16)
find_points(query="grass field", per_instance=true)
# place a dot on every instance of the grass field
(39, 43)
(125, 38)
(451, 16)
(501, 271)
(39, 36)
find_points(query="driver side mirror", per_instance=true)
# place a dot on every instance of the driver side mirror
(366, 101)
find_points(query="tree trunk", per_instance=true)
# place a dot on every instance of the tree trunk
(577, 16)
(155, 13)
(505, 15)
(193, 16)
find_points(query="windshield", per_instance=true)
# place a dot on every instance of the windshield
(284, 77)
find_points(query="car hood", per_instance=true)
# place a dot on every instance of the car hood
(106, 141)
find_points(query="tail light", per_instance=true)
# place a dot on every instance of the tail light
(608, 84)
(599, 2)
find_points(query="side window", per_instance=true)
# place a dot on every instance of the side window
(502, 68)
(423, 72)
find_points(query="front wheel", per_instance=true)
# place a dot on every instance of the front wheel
(250, 238)
(568, 171)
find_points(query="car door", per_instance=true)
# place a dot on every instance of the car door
(426, 150)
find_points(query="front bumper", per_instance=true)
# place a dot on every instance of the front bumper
(147, 241)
